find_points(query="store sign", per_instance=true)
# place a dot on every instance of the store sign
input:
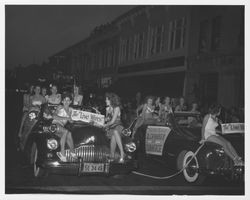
(233, 128)
(155, 139)
(79, 115)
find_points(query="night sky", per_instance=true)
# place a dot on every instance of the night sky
(35, 32)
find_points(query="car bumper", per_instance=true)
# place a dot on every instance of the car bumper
(77, 168)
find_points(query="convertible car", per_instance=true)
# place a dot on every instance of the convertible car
(92, 147)
(177, 143)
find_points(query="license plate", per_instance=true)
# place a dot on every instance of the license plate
(93, 167)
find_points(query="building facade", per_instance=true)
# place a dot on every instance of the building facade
(191, 51)
(216, 55)
(153, 50)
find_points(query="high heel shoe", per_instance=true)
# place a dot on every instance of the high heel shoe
(61, 156)
(121, 160)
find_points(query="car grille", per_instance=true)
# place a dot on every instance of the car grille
(90, 153)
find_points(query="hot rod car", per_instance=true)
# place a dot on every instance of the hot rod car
(177, 143)
(92, 148)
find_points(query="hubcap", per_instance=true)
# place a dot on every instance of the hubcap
(190, 172)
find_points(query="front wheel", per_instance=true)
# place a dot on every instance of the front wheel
(38, 171)
(188, 162)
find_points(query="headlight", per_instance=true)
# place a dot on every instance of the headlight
(53, 128)
(32, 115)
(130, 147)
(52, 144)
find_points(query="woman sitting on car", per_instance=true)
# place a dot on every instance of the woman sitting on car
(209, 133)
(61, 116)
(147, 115)
(114, 126)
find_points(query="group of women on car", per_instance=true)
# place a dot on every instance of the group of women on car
(150, 112)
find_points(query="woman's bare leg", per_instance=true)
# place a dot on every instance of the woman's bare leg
(221, 141)
(69, 141)
(119, 142)
(112, 146)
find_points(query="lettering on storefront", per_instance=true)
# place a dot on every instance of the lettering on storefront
(155, 139)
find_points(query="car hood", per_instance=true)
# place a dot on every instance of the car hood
(88, 135)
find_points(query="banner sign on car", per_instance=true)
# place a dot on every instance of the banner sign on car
(232, 128)
(84, 116)
(155, 139)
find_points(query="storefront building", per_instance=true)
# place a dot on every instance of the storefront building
(216, 57)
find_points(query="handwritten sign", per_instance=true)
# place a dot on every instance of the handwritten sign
(84, 116)
(155, 139)
(233, 128)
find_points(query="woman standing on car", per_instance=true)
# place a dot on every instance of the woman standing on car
(54, 98)
(209, 133)
(114, 124)
(77, 98)
(26, 105)
(37, 99)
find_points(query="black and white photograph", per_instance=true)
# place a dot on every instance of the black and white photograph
(124, 99)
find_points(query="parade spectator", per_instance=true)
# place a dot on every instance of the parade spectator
(61, 116)
(174, 102)
(26, 106)
(113, 125)
(77, 97)
(209, 133)
(234, 115)
(182, 105)
(54, 98)
(192, 120)
(166, 106)
(195, 107)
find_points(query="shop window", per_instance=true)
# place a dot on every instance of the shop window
(177, 34)
(204, 36)
(216, 33)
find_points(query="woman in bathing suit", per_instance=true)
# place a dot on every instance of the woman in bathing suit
(209, 133)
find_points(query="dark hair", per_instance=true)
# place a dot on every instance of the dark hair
(114, 99)
(214, 108)
(149, 97)
(65, 95)
(54, 85)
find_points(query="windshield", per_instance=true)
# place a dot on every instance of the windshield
(188, 120)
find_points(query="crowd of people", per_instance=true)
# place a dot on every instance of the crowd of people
(153, 109)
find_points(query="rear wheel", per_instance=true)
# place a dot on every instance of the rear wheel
(38, 171)
(189, 163)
